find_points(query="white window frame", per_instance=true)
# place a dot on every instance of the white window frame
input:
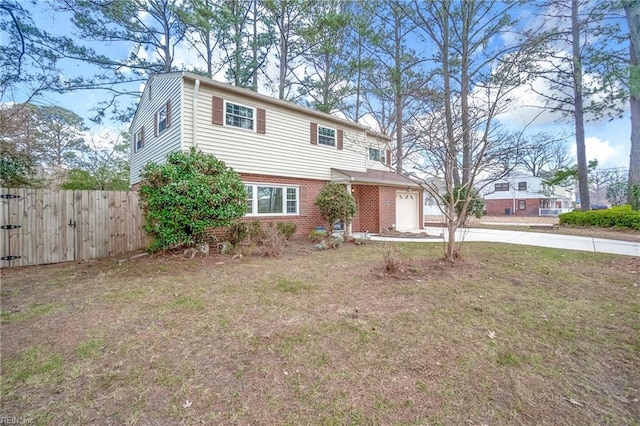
(254, 117)
(381, 155)
(159, 121)
(252, 195)
(335, 136)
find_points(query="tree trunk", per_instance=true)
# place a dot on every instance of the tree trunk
(284, 57)
(464, 98)
(398, 92)
(633, 20)
(583, 176)
(254, 82)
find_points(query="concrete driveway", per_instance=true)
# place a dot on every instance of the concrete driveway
(568, 242)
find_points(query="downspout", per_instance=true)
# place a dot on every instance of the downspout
(196, 88)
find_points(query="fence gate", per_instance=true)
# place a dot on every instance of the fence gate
(40, 226)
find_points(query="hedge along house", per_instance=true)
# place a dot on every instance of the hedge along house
(284, 153)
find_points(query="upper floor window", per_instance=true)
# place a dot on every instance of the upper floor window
(376, 154)
(163, 118)
(502, 186)
(272, 200)
(522, 186)
(326, 136)
(138, 140)
(239, 116)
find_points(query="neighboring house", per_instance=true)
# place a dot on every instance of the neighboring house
(284, 153)
(523, 195)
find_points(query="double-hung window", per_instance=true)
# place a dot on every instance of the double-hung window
(162, 119)
(503, 186)
(522, 186)
(265, 199)
(326, 136)
(138, 140)
(239, 116)
(375, 154)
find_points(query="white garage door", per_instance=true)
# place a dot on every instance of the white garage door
(406, 210)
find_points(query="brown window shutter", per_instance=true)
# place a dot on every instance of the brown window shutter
(302, 193)
(388, 159)
(169, 113)
(218, 111)
(262, 121)
(340, 135)
(314, 133)
(142, 137)
(155, 124)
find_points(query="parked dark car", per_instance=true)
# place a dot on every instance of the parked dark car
(599, 207)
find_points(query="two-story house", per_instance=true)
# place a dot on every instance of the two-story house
(524, 195)
(284, 153)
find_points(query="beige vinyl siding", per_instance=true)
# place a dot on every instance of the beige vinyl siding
(285, 148)
(156, 148)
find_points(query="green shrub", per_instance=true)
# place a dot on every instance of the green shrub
(287, 229)
(256, 232)
(335, 203)
(617, 217)
(240, 230)
(237, 232)
(317, 236)
(635, 197)
(187, 195)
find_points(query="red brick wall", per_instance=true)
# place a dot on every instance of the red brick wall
(387, 208)
(304, 224)
(497, 207)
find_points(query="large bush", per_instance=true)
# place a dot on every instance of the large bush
(187, 195)
(616, 217)
(335, 203)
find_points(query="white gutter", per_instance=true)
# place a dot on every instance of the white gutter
(196, 88)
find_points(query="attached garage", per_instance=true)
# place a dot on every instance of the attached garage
(385, 200)
(407, 210)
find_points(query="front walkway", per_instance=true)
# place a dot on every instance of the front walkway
(568, 242)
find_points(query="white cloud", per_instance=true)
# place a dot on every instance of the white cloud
(608, 155)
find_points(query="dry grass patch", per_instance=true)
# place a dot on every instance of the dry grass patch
(510, 335)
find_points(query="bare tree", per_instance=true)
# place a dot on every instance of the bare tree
(544, 153)
(461, 140)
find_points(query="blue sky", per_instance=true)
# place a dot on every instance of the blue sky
(608, 141)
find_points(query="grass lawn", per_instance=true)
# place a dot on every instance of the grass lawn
(510, 335)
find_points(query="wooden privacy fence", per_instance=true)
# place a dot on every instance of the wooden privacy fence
(39, 226)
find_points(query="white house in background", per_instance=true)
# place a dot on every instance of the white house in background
(284, 153)
(523, 195)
